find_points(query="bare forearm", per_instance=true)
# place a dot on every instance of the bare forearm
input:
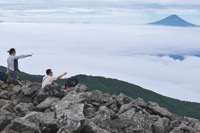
(61, 75)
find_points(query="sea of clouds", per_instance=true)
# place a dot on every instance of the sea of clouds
(106, 38)
(126, 52)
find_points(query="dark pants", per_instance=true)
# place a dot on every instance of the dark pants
(13, 74)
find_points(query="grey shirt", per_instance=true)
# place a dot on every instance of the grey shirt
(10, 61)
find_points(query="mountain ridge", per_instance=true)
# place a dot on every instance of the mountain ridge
(115, 87)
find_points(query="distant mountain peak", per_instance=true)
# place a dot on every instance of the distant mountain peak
(174, 20)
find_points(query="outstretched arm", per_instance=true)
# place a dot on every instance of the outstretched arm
(22, 56)
(61, 75)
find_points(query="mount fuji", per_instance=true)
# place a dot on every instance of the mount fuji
(174, 20)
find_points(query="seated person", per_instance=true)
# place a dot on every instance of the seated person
(48, 79)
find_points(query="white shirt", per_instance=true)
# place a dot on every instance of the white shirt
(47, 80)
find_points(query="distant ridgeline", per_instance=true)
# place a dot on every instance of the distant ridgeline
(114, 86)
(173, 20)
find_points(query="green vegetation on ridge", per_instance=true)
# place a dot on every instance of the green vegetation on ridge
(114, 86)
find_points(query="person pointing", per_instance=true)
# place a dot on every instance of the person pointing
(12, 63)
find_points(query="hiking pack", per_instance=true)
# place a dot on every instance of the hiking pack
(71, 82)
(3, 76)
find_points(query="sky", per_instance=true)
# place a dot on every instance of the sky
(97, 11)
(106, 38)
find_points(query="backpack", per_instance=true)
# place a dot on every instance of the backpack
(3, 76)
(71, 82)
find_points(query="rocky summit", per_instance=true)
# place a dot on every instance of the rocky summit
(27, 108)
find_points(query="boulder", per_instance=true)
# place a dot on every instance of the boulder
(4, 122)
(139, 102)
(158, 126)
(142, 120)
(22, 109)
(89, 111)
(69, 111)
(121, 124)
(48, 123)
(81, 88)
(14, 81)
(22, 126)
(46, 103)
(128, 114)
(3, 102)
(155, 108)
(16, 88)
(31, 89)
(102, 118)
(197, 125)
(96, 96)
(120, 99)
(40, 97)
(4, 87)
(127, 99)
(56, 90)
(91, 127)
(4, 95)
(128, 129)
(125, 108)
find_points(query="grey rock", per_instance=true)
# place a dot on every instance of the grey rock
(14, 82)
(22, 109)
(121, 124)
(128, 114)
(46, 103)
(9, 131)
(142, 120)
(30, 90)
(4, 122)
(16, 88)
(114, 107)
(197, 125)
(139, 102)
(3, 102)
(91, 127)
(4, 87)
(141, 130)
(183, 129)
(158, 126)
(120, 99)
(102, 118)
(128, 129)
(127, 100)
(125, 108)
(4, 95)
(96, 96)
(69, 111)
(40, 97)
(81, 88)
(22, 126)
(56, 90)
(63, 130)
(89, 112)
(48, 124)
(163, 112)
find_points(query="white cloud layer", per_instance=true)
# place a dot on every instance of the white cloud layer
(125, 52)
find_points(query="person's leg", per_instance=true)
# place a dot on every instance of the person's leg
(16, 74)
(11, 73)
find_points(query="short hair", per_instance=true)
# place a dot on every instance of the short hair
(48, 71)
(12, 50)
